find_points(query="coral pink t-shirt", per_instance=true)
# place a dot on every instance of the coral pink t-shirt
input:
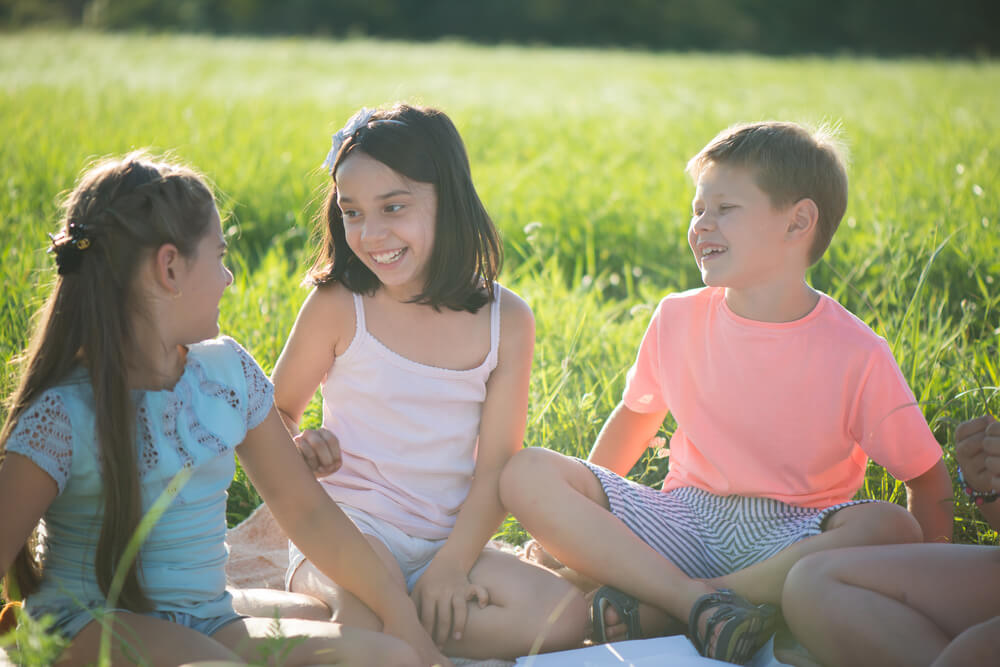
(790, 411)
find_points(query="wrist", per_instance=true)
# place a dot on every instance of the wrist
(977, 497)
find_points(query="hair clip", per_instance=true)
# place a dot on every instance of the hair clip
(359, 120)
(68, 247)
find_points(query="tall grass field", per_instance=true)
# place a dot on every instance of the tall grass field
(579, 156)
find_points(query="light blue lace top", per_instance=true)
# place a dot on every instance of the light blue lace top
(221, 394)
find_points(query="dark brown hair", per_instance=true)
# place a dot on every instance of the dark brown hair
(424, 146)
(788, 163)
(128, 208)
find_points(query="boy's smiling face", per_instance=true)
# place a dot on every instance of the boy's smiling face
(736, 234)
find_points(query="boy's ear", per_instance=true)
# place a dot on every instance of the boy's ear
(802, 218)
(166, 267)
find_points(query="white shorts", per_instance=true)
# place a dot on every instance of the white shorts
(412, 554)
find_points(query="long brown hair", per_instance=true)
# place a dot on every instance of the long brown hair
(125, 209)
(423, 145)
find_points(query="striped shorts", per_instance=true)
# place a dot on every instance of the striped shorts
(706, 535)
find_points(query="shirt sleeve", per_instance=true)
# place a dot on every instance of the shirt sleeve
(260, 391)
(44, 435)
(889, 424)
(643, 391)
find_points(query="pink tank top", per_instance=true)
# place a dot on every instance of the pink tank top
(407, 431)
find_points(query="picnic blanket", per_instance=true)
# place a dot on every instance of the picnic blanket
(258, 558)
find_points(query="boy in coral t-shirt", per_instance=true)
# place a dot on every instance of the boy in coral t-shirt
(780, 397)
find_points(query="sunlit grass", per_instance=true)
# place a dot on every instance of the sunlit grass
(579, 156)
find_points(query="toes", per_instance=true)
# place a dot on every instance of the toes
(611, 618)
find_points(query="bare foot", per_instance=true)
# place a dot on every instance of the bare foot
(536, 553)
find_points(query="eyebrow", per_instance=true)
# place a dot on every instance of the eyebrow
(387, 195)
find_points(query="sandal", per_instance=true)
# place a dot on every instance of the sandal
(627, 608)
(744, 627)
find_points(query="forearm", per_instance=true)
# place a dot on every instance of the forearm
(623, 439)
(334, 545)
(476, 523)
(290, 421)
(932, 503)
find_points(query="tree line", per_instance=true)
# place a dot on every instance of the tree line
(779, 27)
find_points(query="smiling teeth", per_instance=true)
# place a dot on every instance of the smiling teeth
(711, 251)
(388, 257)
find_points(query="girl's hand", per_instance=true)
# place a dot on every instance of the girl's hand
(321, 450)
(414, 634)
(441, 596)
(977, 451)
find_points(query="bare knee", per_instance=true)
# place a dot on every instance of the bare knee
(879, 523)
(523, 473)
(895, 525)
(809, 580)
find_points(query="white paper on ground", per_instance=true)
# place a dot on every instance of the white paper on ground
(676, 651)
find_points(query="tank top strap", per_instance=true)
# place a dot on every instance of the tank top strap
(495, 324)
(360, 328)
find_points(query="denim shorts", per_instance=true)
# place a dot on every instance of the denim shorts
(69, 622)
(412, 554)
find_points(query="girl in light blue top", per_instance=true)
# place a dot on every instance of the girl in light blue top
(126, 396)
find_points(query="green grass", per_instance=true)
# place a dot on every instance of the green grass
(589, 144)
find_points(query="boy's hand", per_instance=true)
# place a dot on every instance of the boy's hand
(441, 596)
(321, 451)
(977, 451)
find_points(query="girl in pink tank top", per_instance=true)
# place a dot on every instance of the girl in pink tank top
(424, 400)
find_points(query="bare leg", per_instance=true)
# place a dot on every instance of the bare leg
(345, 607)
(978, 645)
(531, 610)
(898, 604)
(655, 622)
(303, 642)
(138, 639)
(561, 503)
(858, 525)
(270, 603)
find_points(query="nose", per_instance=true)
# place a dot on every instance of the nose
(702, 222)
(229, 276)
(374, 228)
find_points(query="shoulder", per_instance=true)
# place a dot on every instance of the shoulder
(328, 313)
(224, 359)
(681, 306)
(515, 311)
(848, 329)
(333, 297)
(692, 298)
(217, 351)
(517, 325)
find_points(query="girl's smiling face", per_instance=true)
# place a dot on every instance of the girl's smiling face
(389, 222)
